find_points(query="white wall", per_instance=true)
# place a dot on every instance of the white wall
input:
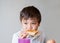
(9, 17)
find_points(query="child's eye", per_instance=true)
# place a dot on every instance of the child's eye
(33, 23)
(25, 23)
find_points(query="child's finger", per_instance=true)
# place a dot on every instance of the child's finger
(23, 35)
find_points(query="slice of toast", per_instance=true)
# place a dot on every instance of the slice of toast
(32, 32)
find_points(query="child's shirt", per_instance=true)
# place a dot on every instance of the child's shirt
(39, 38)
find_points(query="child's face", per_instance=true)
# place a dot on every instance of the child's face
(30, 24)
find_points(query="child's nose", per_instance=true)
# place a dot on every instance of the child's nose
(29, 27)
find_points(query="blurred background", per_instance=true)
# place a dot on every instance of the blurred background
(9, 17)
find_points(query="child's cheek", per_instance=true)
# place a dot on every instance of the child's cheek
(24, 26)
(35, 26)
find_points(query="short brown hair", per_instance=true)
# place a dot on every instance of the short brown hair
(30, 12)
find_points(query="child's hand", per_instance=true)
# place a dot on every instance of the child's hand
(51, 41)
(23, 34)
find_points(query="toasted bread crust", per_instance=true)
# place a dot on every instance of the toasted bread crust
(32, 32)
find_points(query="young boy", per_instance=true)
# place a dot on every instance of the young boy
(30, 18)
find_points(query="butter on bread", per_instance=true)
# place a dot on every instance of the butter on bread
(32, 32)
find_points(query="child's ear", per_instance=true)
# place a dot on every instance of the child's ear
(38, 24)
